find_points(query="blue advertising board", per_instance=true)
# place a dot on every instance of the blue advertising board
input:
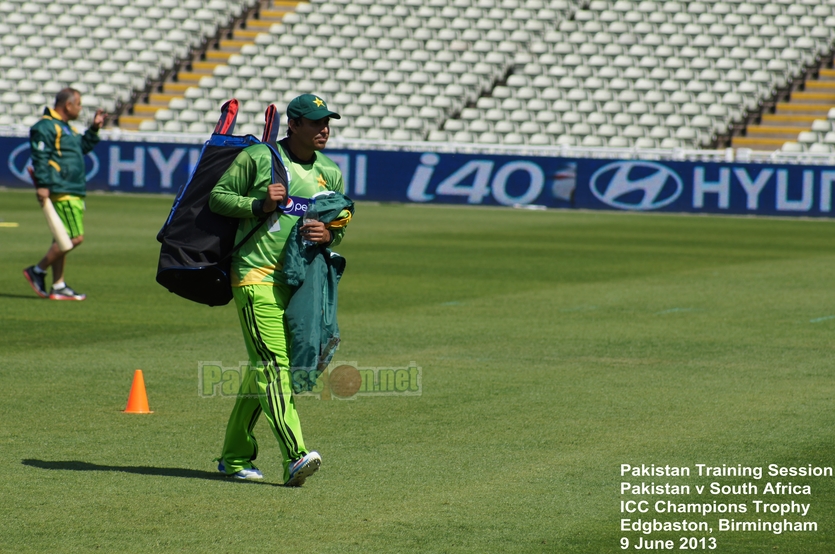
(495, 180)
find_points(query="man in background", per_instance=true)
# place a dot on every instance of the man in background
(58, 151)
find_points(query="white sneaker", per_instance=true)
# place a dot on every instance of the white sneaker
(303, 468)
(65, 293)
(246, 473)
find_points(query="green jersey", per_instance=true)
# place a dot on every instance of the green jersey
(58, 152)
(239, 193)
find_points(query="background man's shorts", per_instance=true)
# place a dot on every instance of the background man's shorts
(71, 211)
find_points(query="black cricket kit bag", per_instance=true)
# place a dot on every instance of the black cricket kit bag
(197, 244)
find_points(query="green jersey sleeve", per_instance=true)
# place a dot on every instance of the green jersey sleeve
(240, 193)
(89, 140)
(229, 196)
(337, 232)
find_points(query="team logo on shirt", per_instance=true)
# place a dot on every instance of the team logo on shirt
(321, 182)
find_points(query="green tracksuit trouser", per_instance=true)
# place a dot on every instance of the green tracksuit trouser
(266, 385)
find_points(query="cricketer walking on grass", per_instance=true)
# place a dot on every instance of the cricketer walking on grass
(246, 191)
(58, 151)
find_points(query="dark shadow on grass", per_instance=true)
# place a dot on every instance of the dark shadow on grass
(71, 465)
(26, 296)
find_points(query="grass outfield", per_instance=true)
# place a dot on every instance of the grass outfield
(554, 347)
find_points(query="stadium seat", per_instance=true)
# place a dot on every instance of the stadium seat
(714, 60)
(820, 148)
(791, 147)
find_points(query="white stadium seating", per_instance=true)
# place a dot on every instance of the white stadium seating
(104, 49)
(820, 139)
(539, 72)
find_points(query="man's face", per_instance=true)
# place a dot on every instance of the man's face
(73, 107)
(311, 133)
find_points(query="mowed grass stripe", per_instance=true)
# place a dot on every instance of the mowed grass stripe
(554, 347)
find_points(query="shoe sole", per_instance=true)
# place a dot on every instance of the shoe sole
(243, 478)
(34, 287)
(298, 479)
(238, 476)
(53, 297)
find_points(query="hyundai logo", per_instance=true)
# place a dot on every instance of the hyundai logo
(636, 185)
(19, 162)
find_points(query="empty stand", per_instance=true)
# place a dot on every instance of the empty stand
(105, 50)
(805, 114)
(531, 71)
(602, 73)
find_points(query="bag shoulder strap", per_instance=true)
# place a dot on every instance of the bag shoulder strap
(280, 173)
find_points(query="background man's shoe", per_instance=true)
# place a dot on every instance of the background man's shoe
(36, 281)
(65, 293)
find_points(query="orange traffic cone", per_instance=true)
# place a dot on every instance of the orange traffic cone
(137, 399)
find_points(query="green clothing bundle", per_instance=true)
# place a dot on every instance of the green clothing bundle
(311, 313)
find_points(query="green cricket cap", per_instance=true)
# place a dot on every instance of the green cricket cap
(309, 106)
